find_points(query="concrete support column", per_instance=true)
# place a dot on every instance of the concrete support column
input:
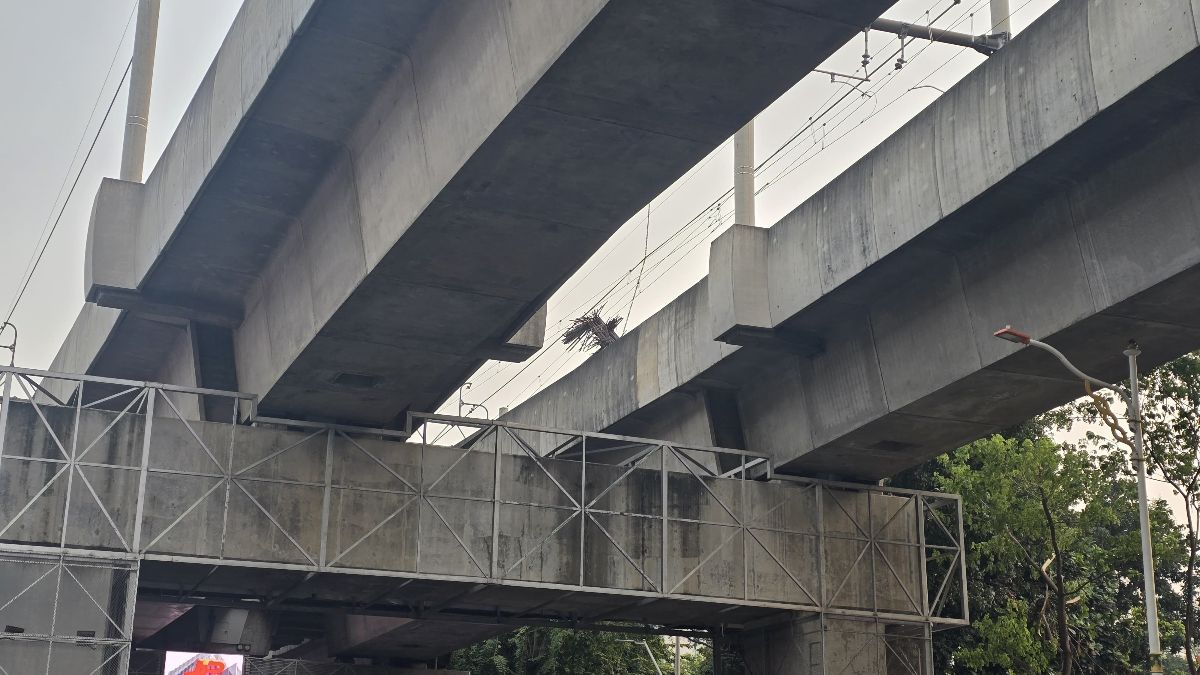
(743, 175)
(814, 645)
(137, 120)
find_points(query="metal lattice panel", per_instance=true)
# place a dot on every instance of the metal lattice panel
(107, 468)
(65, 615)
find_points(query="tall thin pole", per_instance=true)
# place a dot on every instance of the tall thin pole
(677, 671)
(1001, 14)
(141, 77)
(743, 175)
(1139, 459)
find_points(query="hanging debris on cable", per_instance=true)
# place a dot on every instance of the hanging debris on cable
(590, 331)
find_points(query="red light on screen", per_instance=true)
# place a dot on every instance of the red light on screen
(206, 667)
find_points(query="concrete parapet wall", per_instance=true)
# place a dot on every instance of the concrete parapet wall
(326, 501)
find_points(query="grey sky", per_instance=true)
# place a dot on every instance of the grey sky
(53, 59)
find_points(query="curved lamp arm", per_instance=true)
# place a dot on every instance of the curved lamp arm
(1012, 335)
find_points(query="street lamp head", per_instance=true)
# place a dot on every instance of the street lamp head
(1012, 335)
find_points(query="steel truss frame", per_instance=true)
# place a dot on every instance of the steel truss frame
(573, 480)
(53, 614)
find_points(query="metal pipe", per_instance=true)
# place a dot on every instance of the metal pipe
(137, 119)
(1075, 371)
(984, 44)
(1135, 421)
(743, 175)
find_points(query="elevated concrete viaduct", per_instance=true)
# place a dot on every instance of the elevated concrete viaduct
(367, 199)
(293, 243)
(1056, 188)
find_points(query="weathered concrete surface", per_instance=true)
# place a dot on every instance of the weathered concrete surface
(1053, 189)
(802, 645)
(377, 196)
(293, 522)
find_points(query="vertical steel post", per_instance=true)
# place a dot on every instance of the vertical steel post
(662, 449)
(583, 504)
(131, 586)
(872, 548)
(962, 563)
(677, 664)
(495, 567)
(927, 649)
(819, 497)
(143, 470)
(137, 120)
(742, 518)
(1139, 460)
(743, 175)
(327, 499)
(421, 491)
(70, 463)
(924, 553)
(5, 399)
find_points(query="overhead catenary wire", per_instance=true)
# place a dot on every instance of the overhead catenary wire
(613, 286)
(52, 225)
(775, 156)
(766, 163)
(74, 184)
(805, 157)
(617, 283)
(619, 288)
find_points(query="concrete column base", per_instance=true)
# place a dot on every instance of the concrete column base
(812, 645)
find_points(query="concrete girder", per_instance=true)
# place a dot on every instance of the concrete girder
(326, 166)
(1053, 188)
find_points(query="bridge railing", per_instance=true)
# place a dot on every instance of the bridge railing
(105, 469)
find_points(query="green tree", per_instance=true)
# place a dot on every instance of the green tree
(1171, 412)
(699, 661)
(1053, 557)
(560, 651)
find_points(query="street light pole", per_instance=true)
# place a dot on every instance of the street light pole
(649, 652)
(1133, 403)
(1135, 421)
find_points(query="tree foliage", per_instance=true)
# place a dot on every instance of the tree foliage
(1171, 415)
(1054, 557)
(559, 651)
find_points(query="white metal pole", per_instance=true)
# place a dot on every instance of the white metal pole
(743, 175)
(141, 77)
(1134, 412)
(677, 671)
(1001, 17)
(1139, 459)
